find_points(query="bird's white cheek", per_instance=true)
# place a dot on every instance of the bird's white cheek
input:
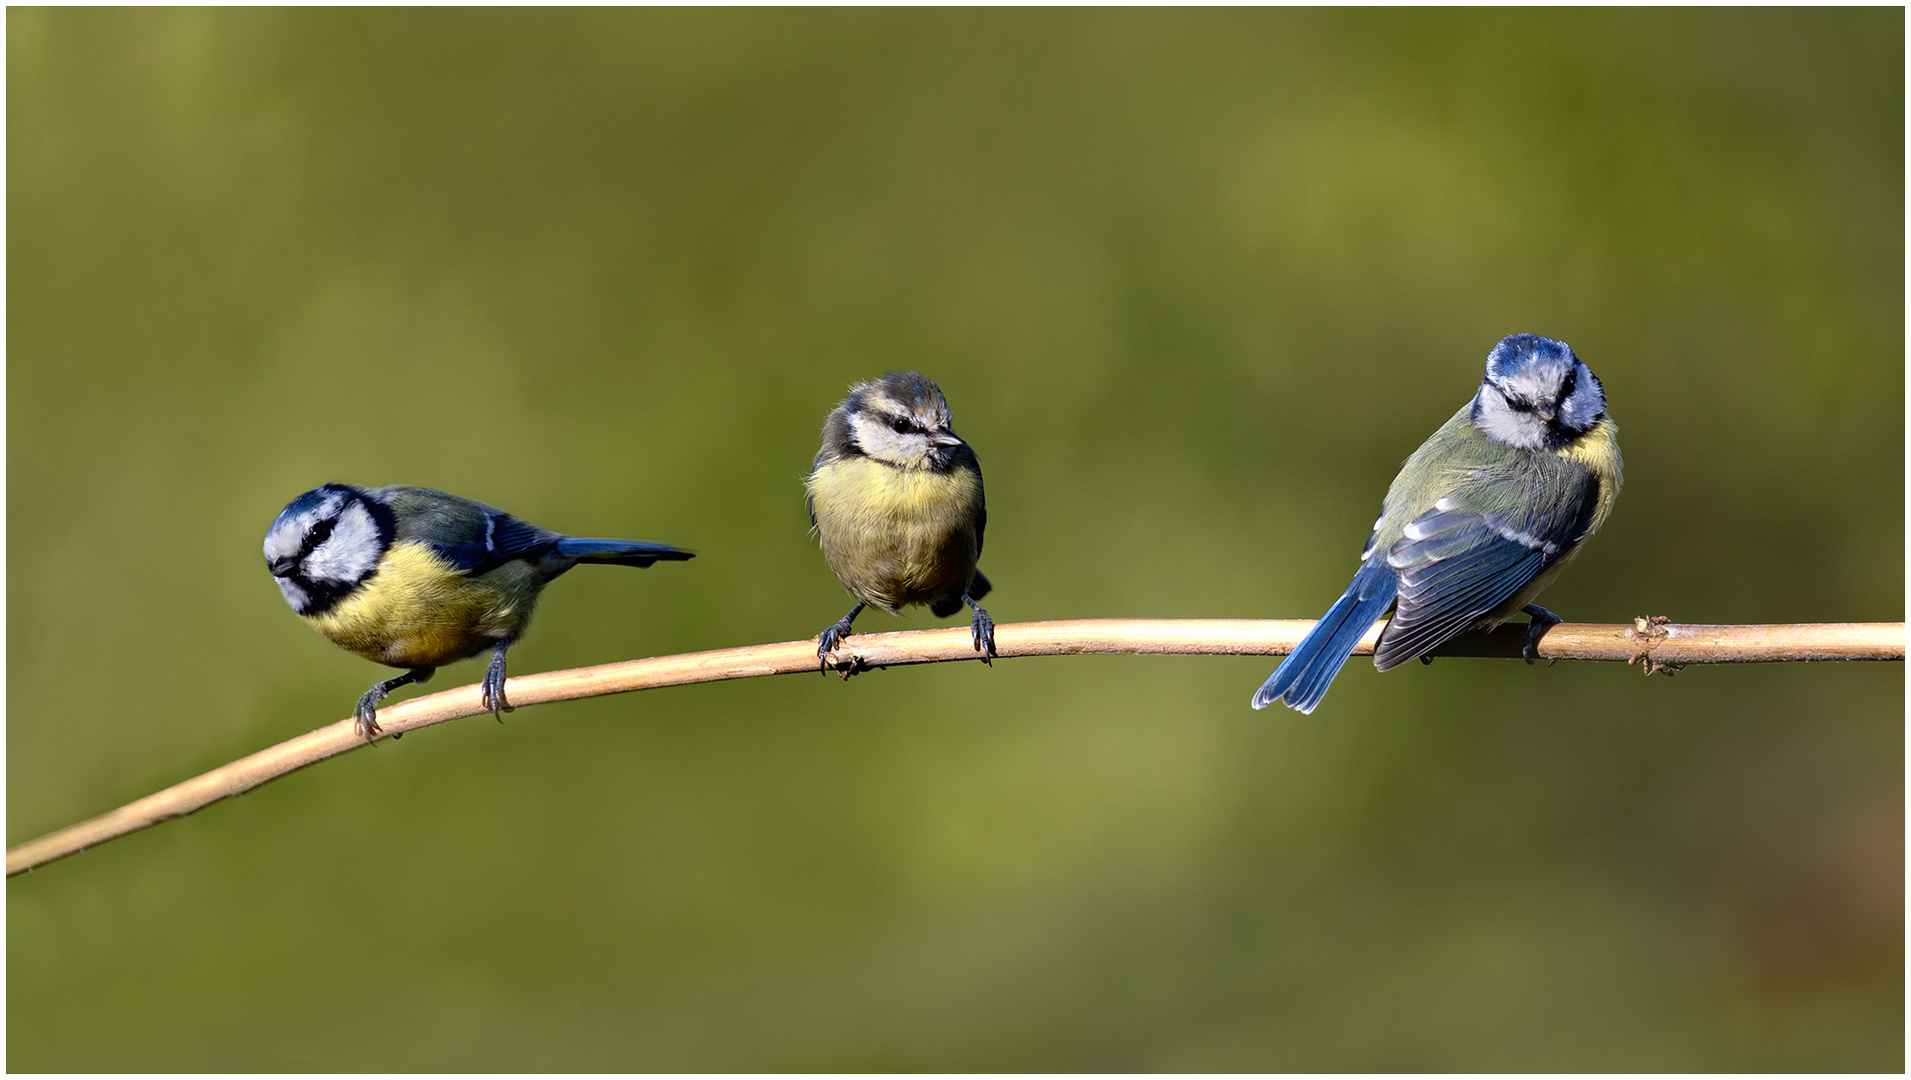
(1585, 404)
(884, 444)
(293, 594)
(350, 552)
(1503, 425)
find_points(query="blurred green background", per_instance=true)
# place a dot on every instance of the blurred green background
(1195, 283)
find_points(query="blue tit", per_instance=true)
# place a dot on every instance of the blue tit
(896, 499)
(1480, 519)
(416, 578)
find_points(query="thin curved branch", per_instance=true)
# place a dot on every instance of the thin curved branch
(1658, 644)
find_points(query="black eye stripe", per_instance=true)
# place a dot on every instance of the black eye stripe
(1566, 388)
(319, 534)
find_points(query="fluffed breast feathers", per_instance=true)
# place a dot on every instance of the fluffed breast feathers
(869, 493)
(419, 611)
(897, 536)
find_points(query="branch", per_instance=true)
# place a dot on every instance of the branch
(1660, 645)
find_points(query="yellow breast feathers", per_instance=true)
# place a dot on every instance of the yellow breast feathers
(419, 611)
(1598, 450)
(897, 536)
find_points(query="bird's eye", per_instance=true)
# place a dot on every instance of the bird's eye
(1516, 402)
(902, 426)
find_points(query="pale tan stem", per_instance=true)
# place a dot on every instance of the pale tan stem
(1660, 645)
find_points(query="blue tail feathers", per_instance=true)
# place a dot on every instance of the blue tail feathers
(1303, 678)
(620, 552)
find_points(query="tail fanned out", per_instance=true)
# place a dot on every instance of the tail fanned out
(1303, 678)
(619, 552)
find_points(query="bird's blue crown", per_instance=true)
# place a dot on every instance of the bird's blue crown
(1517, 351)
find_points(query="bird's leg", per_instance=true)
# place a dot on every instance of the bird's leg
(1543, 621)
(834, 635)
(367, 712)
(494, 682)
(981, 630)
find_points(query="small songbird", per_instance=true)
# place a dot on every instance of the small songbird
(896, 498)
(416, 578)
(1481, 518)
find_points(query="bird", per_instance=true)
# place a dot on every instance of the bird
(895, 497)
(1481, 518)
(416, 578)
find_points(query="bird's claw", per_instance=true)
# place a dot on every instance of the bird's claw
(365, 717)
(982, 633)
(493, 687)
(494, 702)
(833, 636)
(826, 644)
(1542, 621)
(827, 641)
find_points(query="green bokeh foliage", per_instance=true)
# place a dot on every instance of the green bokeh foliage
(1195, 282)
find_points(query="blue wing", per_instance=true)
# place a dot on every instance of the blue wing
(472, 537)
(1456, 567)
(494, 539)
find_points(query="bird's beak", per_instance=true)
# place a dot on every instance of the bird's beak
(1545, 413)
(283, 566)
(945, 437)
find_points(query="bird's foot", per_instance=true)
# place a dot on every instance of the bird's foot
(981, 631)
(366, 715)
(1542, 621)
(833, 636)
(494, 685)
